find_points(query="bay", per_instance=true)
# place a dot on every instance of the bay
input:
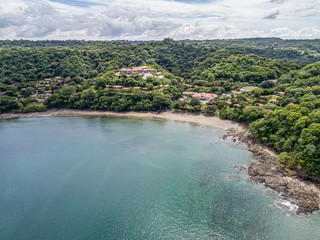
(112, 178)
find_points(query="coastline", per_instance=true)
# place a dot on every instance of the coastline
(211, 121)
(300, 190)
(297, 189)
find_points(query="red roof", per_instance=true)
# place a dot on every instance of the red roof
(236, 105)
(188, 93)
(41, 88)
(281, 93)
(125, 88)
(3, 93)
(204, 95)
(47, 79)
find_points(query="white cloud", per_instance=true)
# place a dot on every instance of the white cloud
(157, 19)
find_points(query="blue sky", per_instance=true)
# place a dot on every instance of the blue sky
(78, 3)
(158, 19)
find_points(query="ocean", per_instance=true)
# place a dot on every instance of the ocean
(73, 178)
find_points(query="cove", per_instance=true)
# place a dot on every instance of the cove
(111, 178)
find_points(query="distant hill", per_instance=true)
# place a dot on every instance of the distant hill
(301, 51)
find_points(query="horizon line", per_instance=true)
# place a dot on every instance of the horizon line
(153, 40)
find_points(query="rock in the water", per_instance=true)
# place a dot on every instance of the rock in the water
(241, 167)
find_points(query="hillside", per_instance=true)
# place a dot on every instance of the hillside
(279, 100)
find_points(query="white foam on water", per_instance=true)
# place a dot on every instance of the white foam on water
(287, 205)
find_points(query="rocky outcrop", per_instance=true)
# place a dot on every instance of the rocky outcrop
(294, 186)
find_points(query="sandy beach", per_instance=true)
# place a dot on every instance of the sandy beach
(183, 117)
(303, 191)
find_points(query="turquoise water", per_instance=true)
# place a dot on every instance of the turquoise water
(107, 178)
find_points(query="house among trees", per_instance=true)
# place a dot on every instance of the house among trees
(274, 101)
(235, 92)
(188, 93)
(281, 93)
(143, 69)
(205, 96)
(244, 90)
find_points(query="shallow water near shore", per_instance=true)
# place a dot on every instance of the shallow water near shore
(110, 178)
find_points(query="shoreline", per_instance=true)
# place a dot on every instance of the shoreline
(293, 187)
(212, 121)
(301, 190)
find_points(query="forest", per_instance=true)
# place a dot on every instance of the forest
(272, 85)
(303, 50)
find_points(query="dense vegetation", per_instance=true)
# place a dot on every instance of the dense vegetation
(279, 100)
(305, 51)
(294, 128)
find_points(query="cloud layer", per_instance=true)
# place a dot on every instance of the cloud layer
(157, 19)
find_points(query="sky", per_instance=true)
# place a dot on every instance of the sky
(158, 19)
